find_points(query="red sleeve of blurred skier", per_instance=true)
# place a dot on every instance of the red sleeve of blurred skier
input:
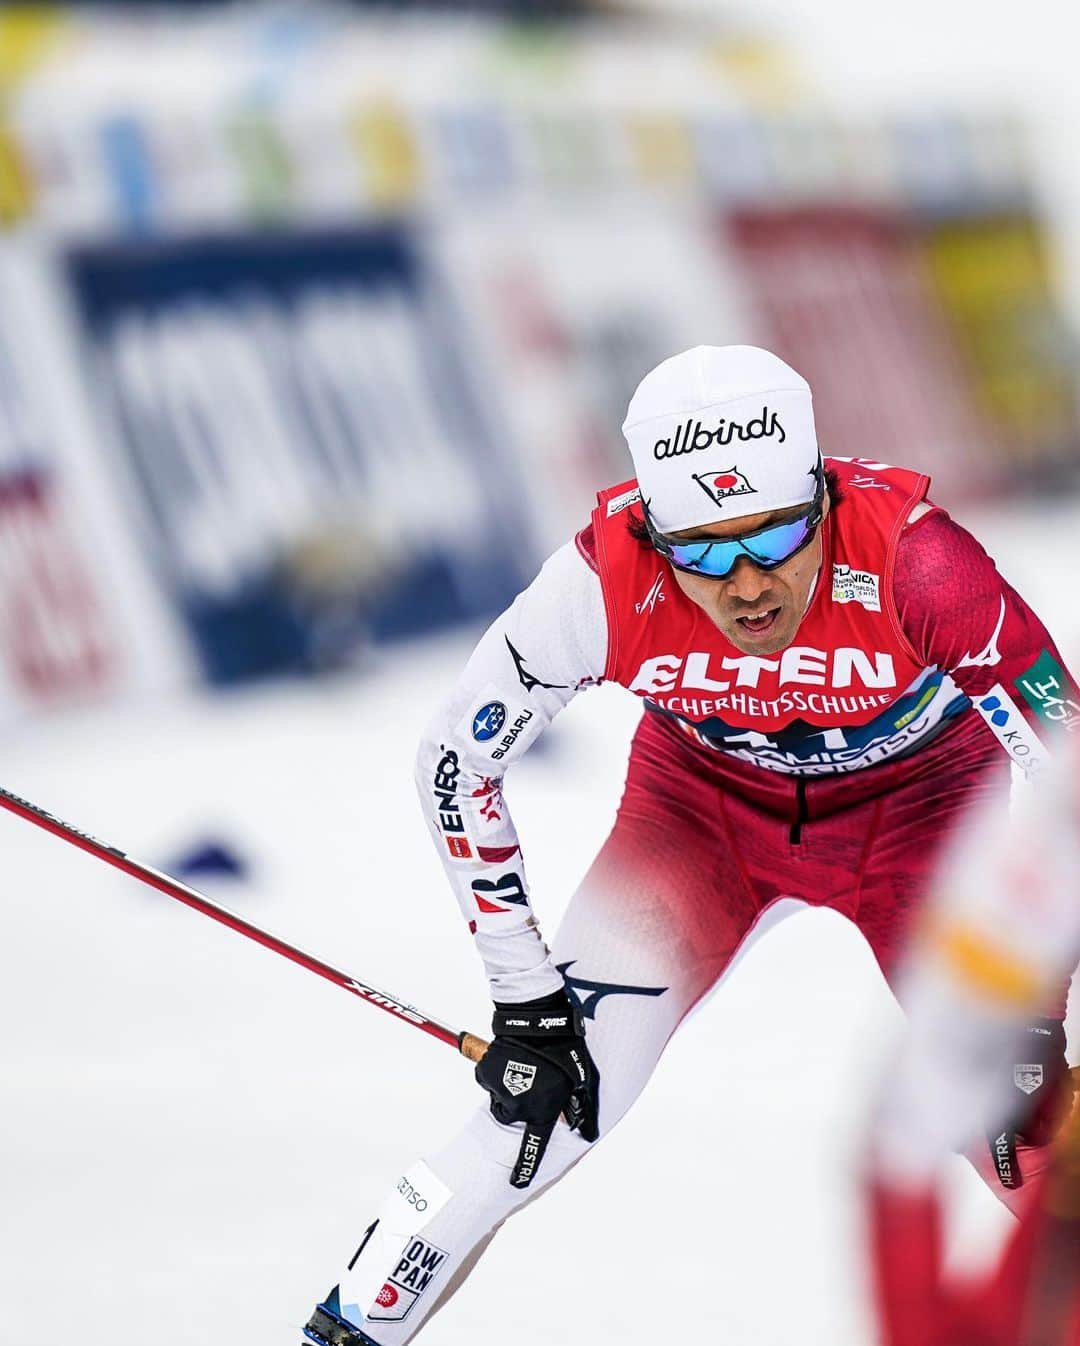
(960, 614)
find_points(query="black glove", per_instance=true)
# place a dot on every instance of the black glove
(1039, 1072)
(537, 1068)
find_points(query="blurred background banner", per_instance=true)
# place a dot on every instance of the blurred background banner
(308, 438)
(55, 636)
(840, 291)
(79, 617)
(345, 305)
(992, 275)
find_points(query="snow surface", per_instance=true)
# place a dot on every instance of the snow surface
(194, 1133)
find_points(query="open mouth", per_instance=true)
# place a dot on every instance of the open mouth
(761, 623)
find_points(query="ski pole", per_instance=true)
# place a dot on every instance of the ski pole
(467, 1044)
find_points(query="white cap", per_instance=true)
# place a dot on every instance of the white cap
(719, 432)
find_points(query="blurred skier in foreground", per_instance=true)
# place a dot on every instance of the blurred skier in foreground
(1004, 929)
(832, 672)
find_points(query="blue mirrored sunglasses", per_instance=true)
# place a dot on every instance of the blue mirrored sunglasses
(715, 558)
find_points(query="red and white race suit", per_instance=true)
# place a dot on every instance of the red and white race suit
(829, 774)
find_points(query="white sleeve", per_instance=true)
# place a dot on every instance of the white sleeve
(548, 645)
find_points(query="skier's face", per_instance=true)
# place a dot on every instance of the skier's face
(758, 610)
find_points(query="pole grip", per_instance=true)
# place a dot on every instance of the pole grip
(472, 1047)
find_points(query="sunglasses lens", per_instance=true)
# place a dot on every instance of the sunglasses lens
(777, 544)
(707, 558)
(767, 549)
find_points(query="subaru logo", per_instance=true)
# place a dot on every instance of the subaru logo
(488, 720)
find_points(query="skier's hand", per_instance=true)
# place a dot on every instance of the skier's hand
(537, 1068)
(1039, 1070)
(1042, 1091)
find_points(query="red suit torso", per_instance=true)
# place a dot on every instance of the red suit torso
(848, 693)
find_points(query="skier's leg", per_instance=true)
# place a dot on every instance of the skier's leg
(650, 931)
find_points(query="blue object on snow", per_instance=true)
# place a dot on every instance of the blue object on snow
(210, 858)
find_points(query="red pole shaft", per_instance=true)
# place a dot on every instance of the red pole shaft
(171, 887)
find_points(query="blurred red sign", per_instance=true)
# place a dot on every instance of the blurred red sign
(842, 295)
(53, 635)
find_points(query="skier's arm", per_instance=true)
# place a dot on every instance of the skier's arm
(548, 645)
(984, 959)
(962, 616)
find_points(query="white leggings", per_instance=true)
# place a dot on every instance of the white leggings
(636, 974)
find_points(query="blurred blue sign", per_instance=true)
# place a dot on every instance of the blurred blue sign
(311, 459)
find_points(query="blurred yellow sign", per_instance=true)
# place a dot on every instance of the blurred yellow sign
(26, 33)
(15, 187)
(760, 70)
(389, 155)
(993, 278)
(662, 148)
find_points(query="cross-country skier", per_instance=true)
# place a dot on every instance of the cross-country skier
(1003, 929)
(831, 669)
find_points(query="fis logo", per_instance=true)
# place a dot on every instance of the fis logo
(654, 596)
(720, 486)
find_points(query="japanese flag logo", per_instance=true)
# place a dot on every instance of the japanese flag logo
(719, 486)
